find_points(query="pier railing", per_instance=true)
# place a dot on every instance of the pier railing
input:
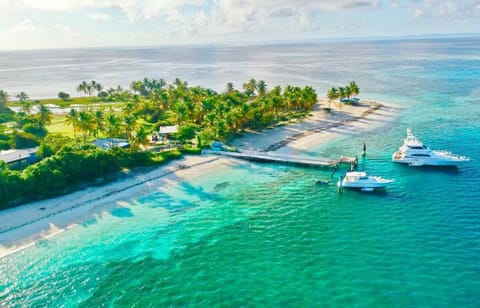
(287, 159)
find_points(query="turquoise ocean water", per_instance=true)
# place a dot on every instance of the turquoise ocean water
(263, 234)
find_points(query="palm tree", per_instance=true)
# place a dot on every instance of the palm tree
(129, 108)
(250, 87)
(3, 99)
(276, 91)
(112, 125)
(348, 92)
(179, 84)
(130, 123)
(89, 89)
(22, 97)
(160, 84)
(262, 88)
(83, 87)
(310, 97)
(277, 105)
(288, 96)
(354, 88)
(179, 113)
(27, 107)
(95, 86)
(139, 137)
(85, 123)
(341, 94)
(72, 119)
(230, 88)
(332, 94)
(45, 115)
(99, 88)
(137, 86)
(98, 118)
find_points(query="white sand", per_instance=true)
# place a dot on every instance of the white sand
(22, 226)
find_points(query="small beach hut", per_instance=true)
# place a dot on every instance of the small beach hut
(163, 131)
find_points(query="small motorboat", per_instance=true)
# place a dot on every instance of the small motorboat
(415, 154)
(360, 180)
(322, 182)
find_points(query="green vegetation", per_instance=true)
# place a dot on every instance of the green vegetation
(202, 115)
(89, 88)
(63, 96)
(72, 165)
(77, 101)
(343, 92)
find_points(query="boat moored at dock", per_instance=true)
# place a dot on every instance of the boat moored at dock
(414, 153)
(360, 180)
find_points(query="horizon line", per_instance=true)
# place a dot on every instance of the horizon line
(266, 42)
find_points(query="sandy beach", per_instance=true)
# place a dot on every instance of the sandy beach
(22, 226)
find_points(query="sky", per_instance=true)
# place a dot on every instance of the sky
(38, 24)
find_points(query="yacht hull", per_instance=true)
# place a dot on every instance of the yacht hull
(415, 154)
(415, 162)
(363, 187)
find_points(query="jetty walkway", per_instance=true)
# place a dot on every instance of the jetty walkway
(286, 159)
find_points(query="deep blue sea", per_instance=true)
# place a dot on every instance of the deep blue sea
(264, 234)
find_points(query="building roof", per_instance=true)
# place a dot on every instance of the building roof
(168, 129)
(107, 143)
(11, 156)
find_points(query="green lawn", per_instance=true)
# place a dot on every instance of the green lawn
(58, 126)
(72, 101)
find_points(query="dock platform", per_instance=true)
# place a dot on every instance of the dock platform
(287, 159)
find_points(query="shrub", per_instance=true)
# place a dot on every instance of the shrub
(6, 115)
(192, 150)
(4, 137)
(63, 96)
(186, 132)
(45, 151)
(102, 94)
(51, 144)
(35, 129)
(4, 145)
(23, 140)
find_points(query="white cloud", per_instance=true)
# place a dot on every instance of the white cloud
(442, 8)
(25, 25)
(137, 9)
(154, 8)
(201, 19)
(66, 32)
(239, 16)
(395, 3)
(133, 9)
(99, 16)
(63, 28)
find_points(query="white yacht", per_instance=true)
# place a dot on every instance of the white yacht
(361, 181)
(414, 153)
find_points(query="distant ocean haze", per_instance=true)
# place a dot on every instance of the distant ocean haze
(376, 66)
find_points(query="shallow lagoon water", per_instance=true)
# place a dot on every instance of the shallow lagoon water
(263, 234)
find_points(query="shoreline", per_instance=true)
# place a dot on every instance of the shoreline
(23, 226)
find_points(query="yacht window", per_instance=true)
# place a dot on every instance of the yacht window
(416, 148)
(421, 155)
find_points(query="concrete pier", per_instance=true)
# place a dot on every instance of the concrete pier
(286, 159)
